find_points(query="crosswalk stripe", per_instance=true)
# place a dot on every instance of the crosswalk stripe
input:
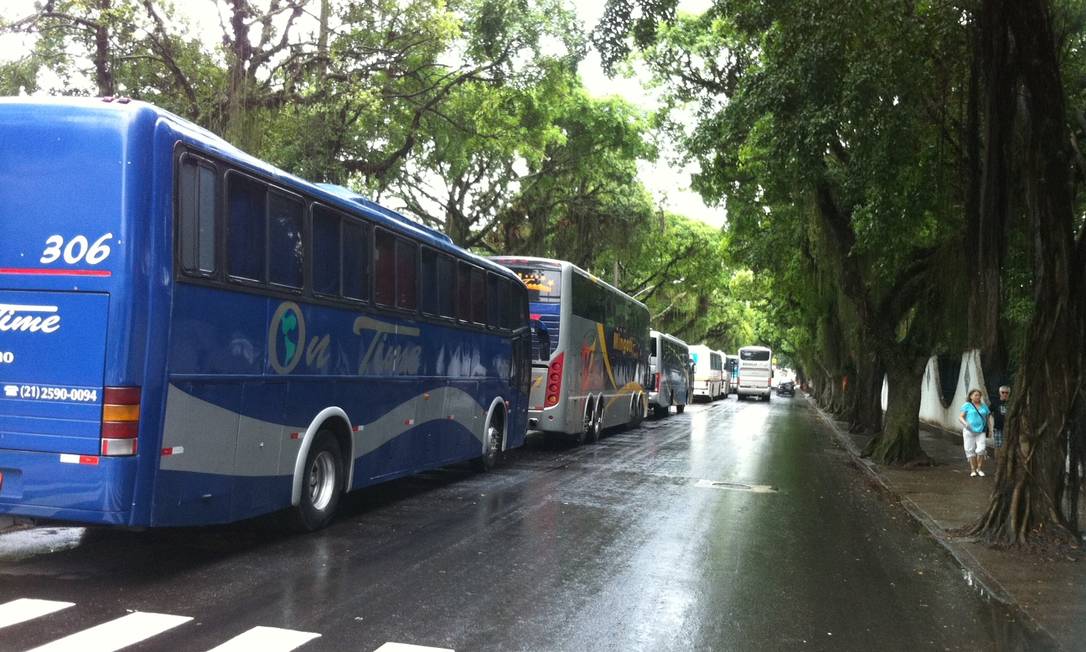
(266, 639)
(115, 634)
(406, 647)
(23, 609)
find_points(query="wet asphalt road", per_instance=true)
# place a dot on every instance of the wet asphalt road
(735, 526)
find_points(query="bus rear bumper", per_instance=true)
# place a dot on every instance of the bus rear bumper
(82, 488)
(753, 391)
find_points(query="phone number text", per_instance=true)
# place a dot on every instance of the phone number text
(48, 393)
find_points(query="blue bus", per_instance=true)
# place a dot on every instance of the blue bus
(189, 335)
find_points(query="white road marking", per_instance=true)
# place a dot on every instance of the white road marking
(115, 634)
(23, 609)
(404, 647)
(737, 486)
(266, 639)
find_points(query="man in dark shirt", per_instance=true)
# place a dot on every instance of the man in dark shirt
(999, 413)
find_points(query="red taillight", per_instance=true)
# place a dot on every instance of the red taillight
(120, 420)
(554, 374)
(656, 386)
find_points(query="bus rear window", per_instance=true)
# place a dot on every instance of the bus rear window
(754, 356)
(544, 285)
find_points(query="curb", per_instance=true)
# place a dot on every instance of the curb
(974, 572)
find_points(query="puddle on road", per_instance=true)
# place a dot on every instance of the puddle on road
(23, 544)
(737, 486)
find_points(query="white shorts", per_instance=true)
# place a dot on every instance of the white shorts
(975, 445)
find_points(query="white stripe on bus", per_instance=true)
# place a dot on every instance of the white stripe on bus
(115, 634)
(15, 307)
(266, 639)
(23, 609)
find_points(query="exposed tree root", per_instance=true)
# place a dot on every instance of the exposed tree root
(1024, 516)
(900, 450)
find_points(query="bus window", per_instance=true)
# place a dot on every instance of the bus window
(246, 227)
(384, 258)
(463, 291)
(428, 287)
(356, 264)
(478, 296)
(510, 306)
(446, 284)
(437, 284)
(544, 285)
(325, 252)
(196, 209)
(285, 240)
(493, 301)
(754, 355)
(407, 274)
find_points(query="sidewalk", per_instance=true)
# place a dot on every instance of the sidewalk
(1049, 593)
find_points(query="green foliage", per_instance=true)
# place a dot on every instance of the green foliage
(828, 129)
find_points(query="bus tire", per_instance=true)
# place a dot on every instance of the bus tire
(595, 433)
(492, 451)
(322, 485)
(680, 408)
(587, 421)
(637, 414)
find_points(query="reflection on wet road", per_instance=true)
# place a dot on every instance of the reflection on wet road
(734, 526)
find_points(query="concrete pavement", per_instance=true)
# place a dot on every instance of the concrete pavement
(1048, 593)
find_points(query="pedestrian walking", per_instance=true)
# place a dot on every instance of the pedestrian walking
(999, 413)
(976, 420)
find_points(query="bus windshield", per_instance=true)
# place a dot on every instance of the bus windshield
(754, 355)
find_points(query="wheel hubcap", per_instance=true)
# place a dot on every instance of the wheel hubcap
(322, 480)
(493, 440)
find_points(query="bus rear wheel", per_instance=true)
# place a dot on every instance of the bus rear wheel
(637, 411)
(492, 450)
(595, 431)
(322, 484)
(679, 409)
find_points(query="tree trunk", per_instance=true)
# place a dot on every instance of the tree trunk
(1026, 501)
(103, 67)
(899, 441)
(986, 237)
(867, 409)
